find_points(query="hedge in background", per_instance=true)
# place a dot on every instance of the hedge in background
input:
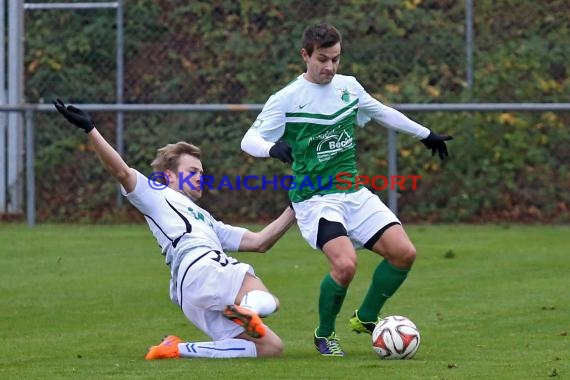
(503, 166)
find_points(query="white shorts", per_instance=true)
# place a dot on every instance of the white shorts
(362, 213)
(207, 285)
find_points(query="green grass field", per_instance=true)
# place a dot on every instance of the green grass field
(84, 302)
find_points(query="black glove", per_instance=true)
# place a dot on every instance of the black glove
(437, 142)
(74, 115)
(282, 151)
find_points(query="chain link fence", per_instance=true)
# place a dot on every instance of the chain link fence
(221, 51)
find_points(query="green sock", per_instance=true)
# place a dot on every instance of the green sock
(385, 281)
(330, 301)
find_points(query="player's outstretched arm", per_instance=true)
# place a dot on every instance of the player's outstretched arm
(396, 120)
(263, 240)
(108, 156)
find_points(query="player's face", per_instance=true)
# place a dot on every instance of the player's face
(189, 177)
(322, 64)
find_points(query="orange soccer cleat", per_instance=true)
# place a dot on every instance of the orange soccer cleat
(247, 319)
(167, 349)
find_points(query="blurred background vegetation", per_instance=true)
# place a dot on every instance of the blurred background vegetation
(503, 166)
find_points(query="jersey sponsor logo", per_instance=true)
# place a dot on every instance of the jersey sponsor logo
(332, 144)
(301, 106)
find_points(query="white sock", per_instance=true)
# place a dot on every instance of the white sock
(263, 303)
(227, 348)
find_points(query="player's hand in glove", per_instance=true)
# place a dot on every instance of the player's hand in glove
(74, 115)
(282, 151)
(436, 142)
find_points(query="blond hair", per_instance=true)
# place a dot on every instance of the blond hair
(167, 157)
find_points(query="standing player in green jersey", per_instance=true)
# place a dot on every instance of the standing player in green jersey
(310, 123)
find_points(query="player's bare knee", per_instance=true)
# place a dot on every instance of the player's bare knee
(272, 347)
(277, 349)
(344, 273)
(405, 256)
(409, 255)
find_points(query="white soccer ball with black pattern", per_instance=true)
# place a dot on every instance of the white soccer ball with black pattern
(396, 337)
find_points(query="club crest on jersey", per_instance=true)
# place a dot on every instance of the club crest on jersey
(331, 144)
(345, 97)
(199, 216)
(257, 123)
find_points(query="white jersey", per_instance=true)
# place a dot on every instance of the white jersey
(180, 226)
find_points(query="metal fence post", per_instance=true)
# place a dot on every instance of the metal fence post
(2, 114)
(469, 44)
(30, 170)
(14, 136)
(120, 140)
(392, 170)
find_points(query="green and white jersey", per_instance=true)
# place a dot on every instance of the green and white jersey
(318, 122)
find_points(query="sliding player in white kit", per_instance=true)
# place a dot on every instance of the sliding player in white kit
(310, 123)
(217, 293)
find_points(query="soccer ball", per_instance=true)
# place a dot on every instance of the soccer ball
(395, 337)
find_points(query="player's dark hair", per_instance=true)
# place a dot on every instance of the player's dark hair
(168, 157)
(320, 36)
